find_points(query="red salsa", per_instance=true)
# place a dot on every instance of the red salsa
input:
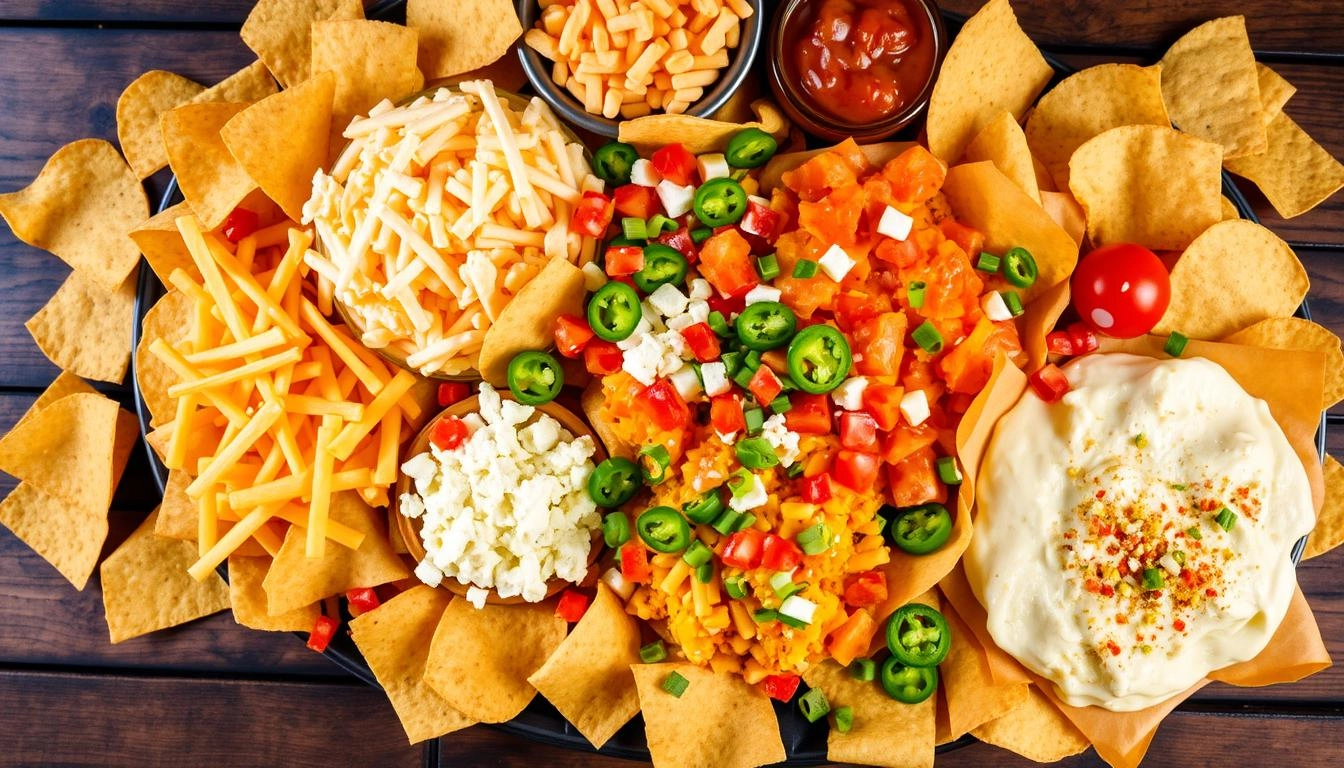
(860, 61)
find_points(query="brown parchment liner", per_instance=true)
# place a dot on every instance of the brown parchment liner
(1290, 382)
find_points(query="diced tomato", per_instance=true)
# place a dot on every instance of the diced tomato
(851, 640)
(816, 489)
(822, 173)
(448, 433)
(602, 357)
(572, 605)
(453, 392)
(834, 218)
(864, 589)
(765, 385)
(675, 163)
(592, 215)
(744, 549)
(702, 340)
(898, 253)
(905, 440)
(855, 470)
(635, 563)
(240, 223)
(914, 479)
(855, 307)
(967, 367)
(780, 554)
(970, 240)
(1083, 339)
(681, 242)
(762, 221)
(663, 404)
(726, 415)
(780, 687)
(1049, 383)
(728, 307)
(324, 629)
(880, 344)
(362, 600)
(883, 401)
(916, 175)
(858, 431)
(572, 334)
(623, 260)
(725, 261)
(634, 200)
(809, 414)
(1059, 343)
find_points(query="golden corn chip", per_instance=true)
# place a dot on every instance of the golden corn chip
(986, 199)
(876, 717)
(1066, 212)
(138, 110)
(73, 449)
(718, 720)
(1002, 143)
(1091, 102)
(294, 580)
(279, 32)
(85, 330)
(1274, 91)
(282, 140)
(528, 320)
(1297, 333)
(588, 677)
(1210, 297)
(373, 60)
(249, 84)
(1296, 174)
(1212, 89)
(169, 319)
(480, 658)
(699, 134)
(213, 182)
(392, 640)
(178, 513)
(991, 67)
(64, 384)
(1229, 209)
(157, 439)
(80, 208)
(1329, 530)
(146, 586)
(1036, 730)
(1149, 185)
(248, 598)
(591, 402)
(453, 41)
(68, 536)
(161, 243)
(973, 696)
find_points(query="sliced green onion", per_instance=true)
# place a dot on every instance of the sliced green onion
(764, 615)
(1152, 579)
(744, 375)
(863, 669)
(987, 262)
(744, 522)
(719, 324)
(814, 540)
(675, 684)
(1014, 303)
(752, 359)
(735, 586)
(1175, 345)
(653, 652)
(796, 469)
(726, 522)
(798, 608)
(1179, 557)
(928, 338)
(1193, 532)
(615, 529)
(741, 482)
(844, 719)
(1226, 519)
(653, 463)
(948, 471)
(697, 554)
(1178, 486)
(914, 293)
(634, 229)
(789, 621)
(732, 361)
(780, 581)
(756, 453)
(755, 418)
(780, 404)
(700, 235)
(768, 267)
(804, 269)
(814, 705)
(704, 573)
(660, 224)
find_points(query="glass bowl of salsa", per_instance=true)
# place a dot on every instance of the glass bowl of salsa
(861, 68)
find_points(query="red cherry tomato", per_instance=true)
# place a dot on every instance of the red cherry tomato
(1121, 290)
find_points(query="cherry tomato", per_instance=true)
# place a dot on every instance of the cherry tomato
(1121, 290)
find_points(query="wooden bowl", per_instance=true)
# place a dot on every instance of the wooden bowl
(410, 526)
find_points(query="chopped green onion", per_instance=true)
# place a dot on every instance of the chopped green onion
(780, 404)
(744, 376)
(615, 529)
(768, 267)
(1140, 441)
(1226, 519)
(697, 554)
(863, 669)
(789, 621)
(814, 705)
(948, 471)
(1193, 532)
(732, 361)
(660, 224)
(914, 293)
(653, 652)
(741, 482)
(814, 540)
(798, 608)
(1178, 486)
(700, 235)
(1179, 557)
(756, 453)
(804, 269)
(928, 338)
(634, 229)
(987, 262)
(782, 581)
(1175, 345)
(743, 523)
(675, 684)
(844, 719)
(764, 615)
(755, 419)
(735, 586)
(726, 522)
(704, 573)
(1014, 303)
(796, 469)
(653, 463)
(752, 360)
(1152, 579)
(719, 324)
(705, 509)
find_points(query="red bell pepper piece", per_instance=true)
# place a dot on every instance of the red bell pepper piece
(634, 200)
(1049, 383)
(674, 163)
(664, 405)
(324, 629)
(761, 221)
(727, 306)
(702, 340)
(1059, 343)
(1082, 338)
(592, 215)
(635, 563)
(448, 433)
(855, 470)
(572, 334)
(453, 392)
(681, 242)
(240, 223)
(810, 414)
(623, 260)
(362, 600)
(883, 401)
(864, 589)
(858, 431)
(744, 549)
(780, 554)
(602, 357)
(571, 606)
(817, 489)
(780, 687)
(726, 415)
(765, 385)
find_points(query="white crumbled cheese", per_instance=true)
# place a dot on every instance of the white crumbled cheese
(508, 509)
(676, 199)
(668, 300)
(701, 289)
(644, 328)
(763, 293)
(427, 573)
(644, 174)
(716, 379)
(915, 407)
(895, 224)
(753, 498)
(654, 317)
(680, 322)
(593, 277)
(849, 395)
(477, 597)
(699, 310)
(655, 354)
(686, 382)
(994, 307)
(781, 438)
(713, 166)
(835, 263)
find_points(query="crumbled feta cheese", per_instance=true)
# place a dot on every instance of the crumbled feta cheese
(593, 277)
(753, 498)
(686, 382)
(680, 322)
(994, 307)
(676, 199)
(781, 438)
(655, 354)
(915, 407)
(763, 293)
(849, 395)
(651, 313)
(716, 379)
(701, 289)
(477, 596)
(699, 310)
(895, 224)
(427, 573)
(644, 174)
(644, 328)
(835, 263)
(668, 300)
(713, 166)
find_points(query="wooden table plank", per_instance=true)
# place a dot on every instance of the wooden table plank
(179, 12)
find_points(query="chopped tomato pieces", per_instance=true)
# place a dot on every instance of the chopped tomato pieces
(362, 600)
(816, 489)
(858, 431)
(602, 357)
(726, 414)
(725, 261)
(779, 553)
(702, 340)
(883, 402)
(780, 687)
(855, 470)
(636, 201)
(765, 385)
(674, 163)
(623, 260)
(744, 549)
(572, 334)
(240, 223)
(1049, 383)
(914, 479)
(663, 404)
(592, 215)
(453, 392)
(864, 589)
(449, 433)
(571, 606)
(809, 414)
(635, 563)
(324, 629)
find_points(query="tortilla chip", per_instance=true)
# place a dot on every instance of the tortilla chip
(718, 720)
(1149, 185)
(373, 60)
(1229, 209)
(282, 140)
(248, 598)
(80, 208)
(1212, 88)
(249, 84)
(453, 42)
(972, 694)
(480, 659)
(146, 586)
(279, 32)
(986, 199)
(294, 580)
(588, 677)
(1066, 212)
(1274, 91)
(1002, 143)
(213, 182)
(1329, 530)
(1091, 102)
(68, 536)
(528, 320)
(1296, 174)
(161, 243)
(169, 319)
(73, 449)
(138, 110)
(1210, 297)
(1297, 333)
(1036, 730)
(64, 384)
(392, 640)
(699, 134)
(991, 67)
(506, 73)
(876, 717)
(178, 514)
(157, 439)
(85, 330)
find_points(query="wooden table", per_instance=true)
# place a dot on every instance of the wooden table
(214, 693)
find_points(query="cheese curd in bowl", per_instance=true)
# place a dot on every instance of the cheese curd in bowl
(1137, 534)
(505, 506)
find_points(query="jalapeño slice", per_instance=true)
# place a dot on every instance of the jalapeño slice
(918, 636)
(720, 202)
(613, 162)
(908, 685)
(662, 264)
(705, 509)
(535, 377)
(663, 529)
(750, 148)
(1019, 268)
(765, 325)
(819, 359)
(614, 312)
(614, 482)
(922, 529)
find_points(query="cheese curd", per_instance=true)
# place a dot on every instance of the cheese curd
(1137, 535)
(508, 509)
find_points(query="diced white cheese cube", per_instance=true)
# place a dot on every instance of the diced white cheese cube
(849, 395)
(995, 307)
(680, 322)
(685, 382)
(775, 430)
(698, 310)
(700, 289)
(644, 174)
(915, 407)
(894, 224)
(644, 359)
(676, 199)
(668, 300)
(643, 329)
(593, 277)
(713, 166)
(835, 263)
(763, 293)
(716, 378)
(617, 583)
(753, 498)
